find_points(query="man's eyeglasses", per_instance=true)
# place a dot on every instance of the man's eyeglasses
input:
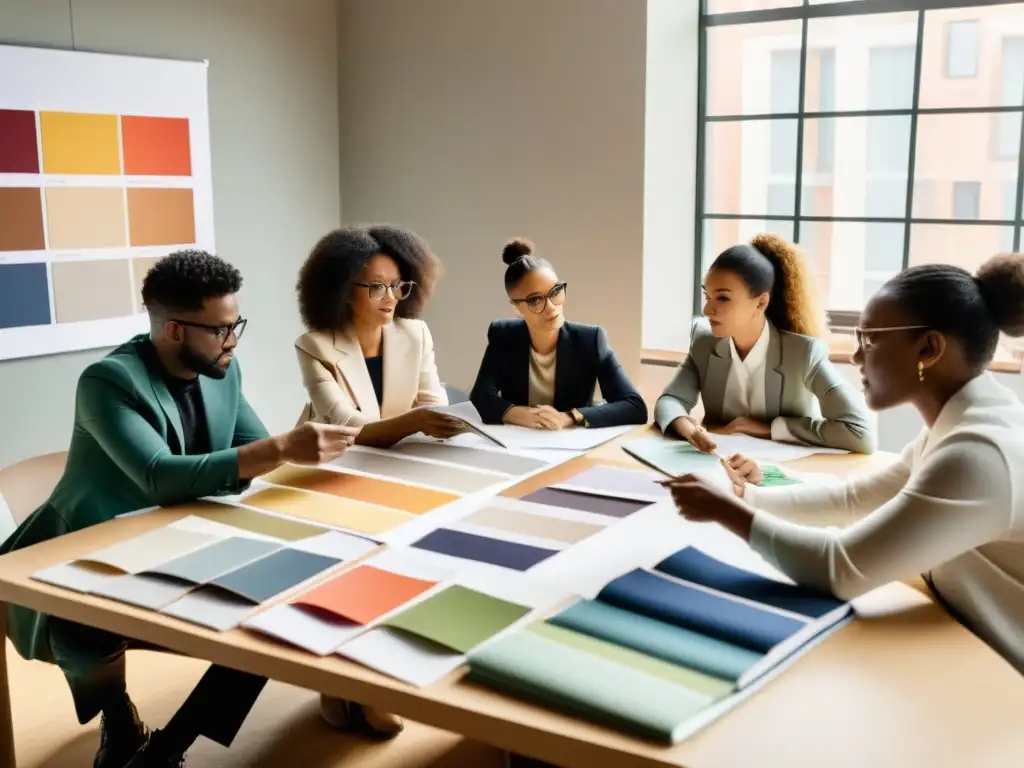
(536, 302)
(399, 290)
(864, 335)
(220, 332)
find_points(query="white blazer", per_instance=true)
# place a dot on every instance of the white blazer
(340, 391)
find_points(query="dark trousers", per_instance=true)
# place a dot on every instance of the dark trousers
(93, 662)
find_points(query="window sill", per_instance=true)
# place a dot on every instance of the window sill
(840, 351)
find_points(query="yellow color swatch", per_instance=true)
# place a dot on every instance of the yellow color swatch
(328, 510)
(80, 143)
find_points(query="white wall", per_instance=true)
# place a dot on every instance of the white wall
(274, 135)
(473, 121)
(670, 167)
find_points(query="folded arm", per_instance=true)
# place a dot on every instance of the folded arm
(960, 500)
(623, 404)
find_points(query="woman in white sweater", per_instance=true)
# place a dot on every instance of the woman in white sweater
(951, 508)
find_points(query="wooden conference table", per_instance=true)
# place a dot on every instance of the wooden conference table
(901, 685)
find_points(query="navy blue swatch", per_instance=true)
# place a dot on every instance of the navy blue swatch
(273, 574)
(468, 546)
(690, 564)
(662, 599)
(24, 295)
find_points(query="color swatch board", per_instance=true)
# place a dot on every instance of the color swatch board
(661, 653)
(104, 168)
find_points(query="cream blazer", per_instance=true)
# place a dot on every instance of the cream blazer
(340, 391)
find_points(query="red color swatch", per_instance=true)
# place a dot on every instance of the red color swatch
(156, 146)
(19, 152)
(364, 593)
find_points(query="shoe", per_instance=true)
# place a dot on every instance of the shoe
(157, 753)
(120, 739)
(348, 716)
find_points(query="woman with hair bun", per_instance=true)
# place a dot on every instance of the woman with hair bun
(540, 371)
(949, 508)
(755, 360)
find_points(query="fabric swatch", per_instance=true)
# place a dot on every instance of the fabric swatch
(468, 546)
(328, 510)
(363, 594)
(404, 470)
(144, 590)
(256, 522)
(529, 524)
(585, 502)
(273, 574)
(618, 482)
(690, 564)
(495, 461)
(211, 561)
(658, 639)
(728, 620)
(152, 548)
(458, 618)
(539, 669)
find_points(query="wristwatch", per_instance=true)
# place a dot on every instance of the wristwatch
(577, 418)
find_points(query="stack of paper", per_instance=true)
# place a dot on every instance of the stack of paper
(661, 652)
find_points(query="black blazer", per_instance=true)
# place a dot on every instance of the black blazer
(583, 360)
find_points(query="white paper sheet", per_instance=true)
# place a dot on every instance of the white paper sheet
(769, 450)
(78, 578)
(211, 607)
(467, 413)
(144, 590)
(619, 483)
(402, 656)
(152, 548)
(576, 439)
(341, 546)
(318, 632)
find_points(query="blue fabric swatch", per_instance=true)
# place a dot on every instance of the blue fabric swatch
(273, 574)
(468, 546)
(690, 564)
(24, 295)
(728, 620)
(658, 639)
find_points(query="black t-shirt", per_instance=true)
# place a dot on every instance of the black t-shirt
(189, 398)
(375, 367)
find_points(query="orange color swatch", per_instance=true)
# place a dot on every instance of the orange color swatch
(156, 146)
(383, 493)
(364, 593)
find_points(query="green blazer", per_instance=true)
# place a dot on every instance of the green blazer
(120, 460)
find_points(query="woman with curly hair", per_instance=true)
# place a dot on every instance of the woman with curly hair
(365, 359)
(755, 360)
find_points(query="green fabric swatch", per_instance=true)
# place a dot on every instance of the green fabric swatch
(672, 457)
(695, 681)
(773, 476)
(651, 637)
(458, 618)
(542, 670)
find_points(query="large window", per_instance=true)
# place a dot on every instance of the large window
(877, 134)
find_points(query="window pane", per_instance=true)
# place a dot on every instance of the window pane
(962, 48)
(720, 234)
(746, 163)
(732, 6)
(966, 199)
(964, 245)
(850, 260)
(971, 58)
(938, 164)
(753, 69)
(1011, 81)
(873, 160)
(860, 62)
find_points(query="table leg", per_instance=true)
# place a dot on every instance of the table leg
(7, 758)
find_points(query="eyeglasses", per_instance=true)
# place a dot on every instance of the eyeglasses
(220, 332)
(536, 302)
(864, 335)
(399, 290)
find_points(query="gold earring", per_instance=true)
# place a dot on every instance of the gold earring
(920, 371)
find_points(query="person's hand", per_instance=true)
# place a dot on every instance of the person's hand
(554, 419)
(540, 417)
(434, 424)
(313, 443)
(744, 425)
(695, 434)
(703, 502)
(741, 471)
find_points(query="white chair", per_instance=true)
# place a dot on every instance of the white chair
(25, 485)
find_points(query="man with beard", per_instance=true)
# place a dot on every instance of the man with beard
(160, 420)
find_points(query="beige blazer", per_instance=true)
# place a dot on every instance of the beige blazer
(340, 391)
(800, 385)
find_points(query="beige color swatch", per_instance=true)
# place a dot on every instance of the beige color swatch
(329, 510)
(256, 522)
(86, 217)
(529, 524)
(91, 290)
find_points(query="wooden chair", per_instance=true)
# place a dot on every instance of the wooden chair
(27, 484)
